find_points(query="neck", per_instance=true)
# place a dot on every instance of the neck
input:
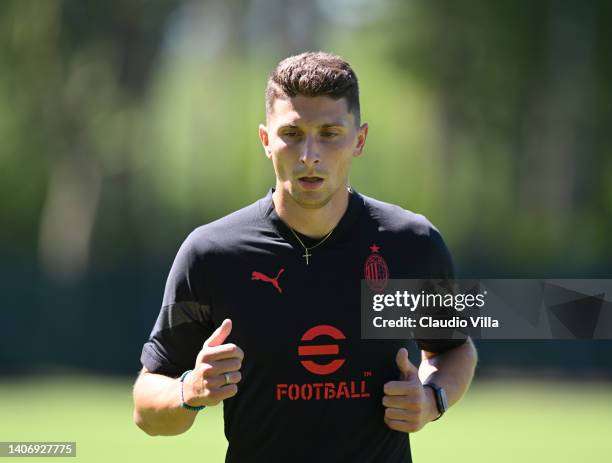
(314, 223)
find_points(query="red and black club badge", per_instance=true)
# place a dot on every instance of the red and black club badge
(375, 270)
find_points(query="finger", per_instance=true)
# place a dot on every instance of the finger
(220, 334)
(219, 381)
(233, 377)
(401, 415)
(225, 392)
(223, 366)
(215, 395)
(402, 402)
(406, 368)
(411, 388)
(402, 426)
(224, 351)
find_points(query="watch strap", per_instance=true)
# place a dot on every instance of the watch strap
(441, 401)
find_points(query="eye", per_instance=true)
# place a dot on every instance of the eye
(291, 133)
(329, 134)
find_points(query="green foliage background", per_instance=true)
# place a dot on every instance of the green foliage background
(491, 118)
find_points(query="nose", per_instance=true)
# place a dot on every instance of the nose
(310, 153)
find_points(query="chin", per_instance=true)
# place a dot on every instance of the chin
(311, 200)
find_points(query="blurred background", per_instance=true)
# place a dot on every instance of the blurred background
(124, 124)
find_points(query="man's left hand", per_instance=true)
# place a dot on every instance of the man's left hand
(408, 405)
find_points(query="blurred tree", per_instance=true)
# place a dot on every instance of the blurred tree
(73, 65)
(116, 113)
(521, 89)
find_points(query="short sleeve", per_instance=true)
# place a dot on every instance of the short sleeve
(185, 318)
(441, 267)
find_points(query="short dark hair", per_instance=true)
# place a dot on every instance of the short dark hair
(314, 74)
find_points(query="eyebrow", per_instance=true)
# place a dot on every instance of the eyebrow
(322, 126)
(333, 124)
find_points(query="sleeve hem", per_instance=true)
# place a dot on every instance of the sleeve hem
(156, 363)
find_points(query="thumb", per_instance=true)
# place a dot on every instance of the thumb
(220, 334)
(407, 370)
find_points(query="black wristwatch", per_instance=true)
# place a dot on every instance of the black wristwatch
(441, 401)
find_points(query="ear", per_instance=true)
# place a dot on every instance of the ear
(362, 134)
(265, 141)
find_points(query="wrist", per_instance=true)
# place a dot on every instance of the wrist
(432, 406)
(441, 401)
(184, 404)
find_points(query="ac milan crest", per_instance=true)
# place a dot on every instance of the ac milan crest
(375, 270)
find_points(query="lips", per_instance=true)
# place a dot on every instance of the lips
(310, 183)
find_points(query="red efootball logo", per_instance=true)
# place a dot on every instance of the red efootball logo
(321, 350)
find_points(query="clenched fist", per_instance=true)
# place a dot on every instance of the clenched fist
(216, 371)
(408, 405)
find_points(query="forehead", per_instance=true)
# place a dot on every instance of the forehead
(305, 110)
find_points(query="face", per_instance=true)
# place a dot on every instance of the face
(311, 142)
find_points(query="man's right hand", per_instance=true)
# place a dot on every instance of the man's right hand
(216, 370)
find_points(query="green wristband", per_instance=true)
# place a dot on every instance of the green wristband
(183, 403)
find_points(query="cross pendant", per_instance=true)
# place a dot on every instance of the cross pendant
(307, 255)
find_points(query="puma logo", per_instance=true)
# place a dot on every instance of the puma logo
(260, 276)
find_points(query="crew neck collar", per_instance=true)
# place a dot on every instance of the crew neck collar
(353, 210)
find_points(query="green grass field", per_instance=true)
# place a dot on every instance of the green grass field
(498, 421)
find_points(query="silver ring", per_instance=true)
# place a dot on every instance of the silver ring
(227, 378)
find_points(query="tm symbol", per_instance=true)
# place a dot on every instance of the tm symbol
(367, 373)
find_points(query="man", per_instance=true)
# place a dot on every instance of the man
(261, 308)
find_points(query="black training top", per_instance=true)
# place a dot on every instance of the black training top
(311, 388)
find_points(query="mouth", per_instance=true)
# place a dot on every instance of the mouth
(310, 183)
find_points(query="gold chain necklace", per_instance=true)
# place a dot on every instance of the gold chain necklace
(307, 249)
